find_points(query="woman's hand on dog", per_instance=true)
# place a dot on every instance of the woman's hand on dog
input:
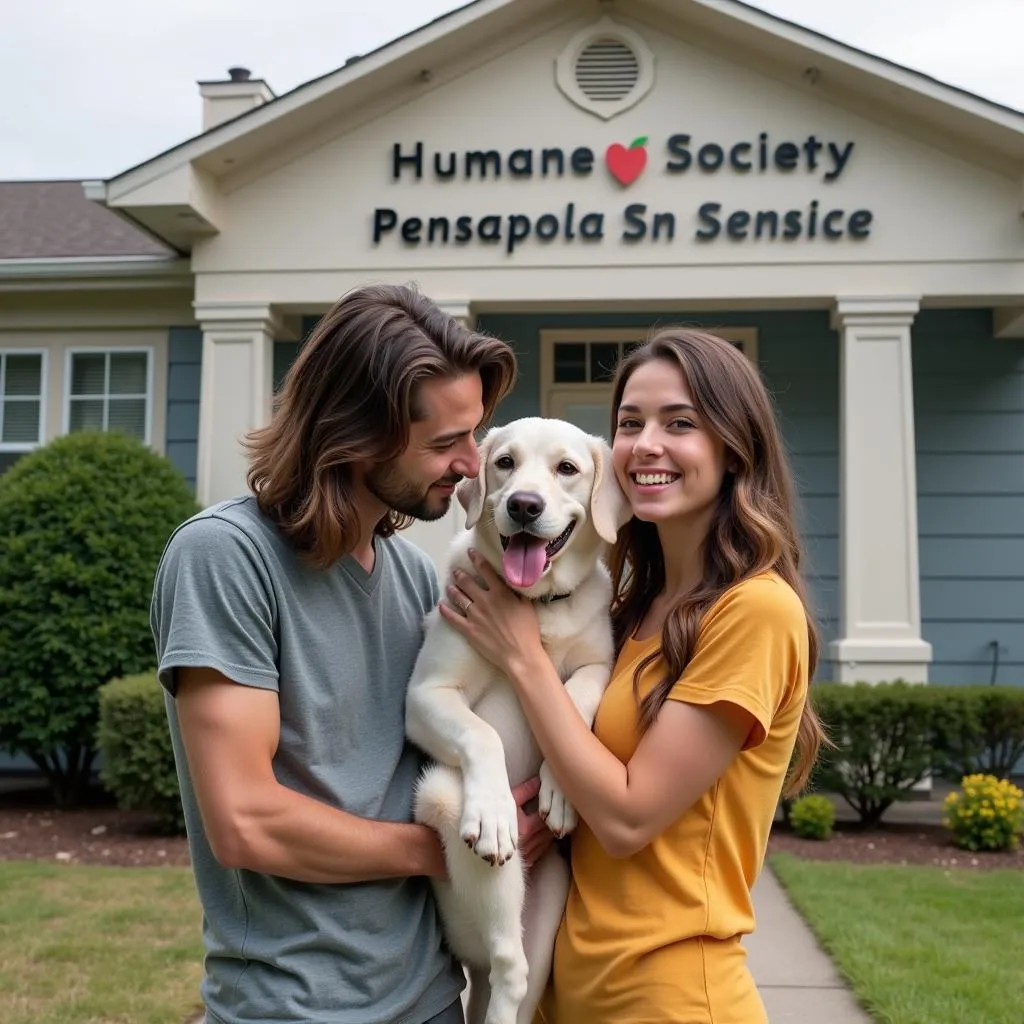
(494, 619)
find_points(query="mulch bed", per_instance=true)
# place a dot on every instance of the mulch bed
(897, 843)
(99, 833)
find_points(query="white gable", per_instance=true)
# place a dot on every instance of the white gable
(736, 168)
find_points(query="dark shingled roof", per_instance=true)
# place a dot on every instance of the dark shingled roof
(40, 219)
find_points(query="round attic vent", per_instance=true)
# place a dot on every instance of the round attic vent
(605, 69)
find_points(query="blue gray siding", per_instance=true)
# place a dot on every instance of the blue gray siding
(285, 352)
(8, 459)
(799, 357)
(184, 370)
(969, 421)
(284, 355)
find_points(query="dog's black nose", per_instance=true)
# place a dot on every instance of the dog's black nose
(524, 507)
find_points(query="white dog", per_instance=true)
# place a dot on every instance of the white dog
(542, 511)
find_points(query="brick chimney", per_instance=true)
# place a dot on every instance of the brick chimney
(228, 98)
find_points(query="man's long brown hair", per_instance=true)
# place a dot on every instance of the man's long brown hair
(350, 397)
(753, 529)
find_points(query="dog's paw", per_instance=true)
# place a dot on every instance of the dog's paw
(490, 823)
(553, 805)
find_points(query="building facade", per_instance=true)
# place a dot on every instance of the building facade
(567, 175)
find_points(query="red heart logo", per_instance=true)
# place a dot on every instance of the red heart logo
(627, 163)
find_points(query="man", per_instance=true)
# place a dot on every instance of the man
(287, 622)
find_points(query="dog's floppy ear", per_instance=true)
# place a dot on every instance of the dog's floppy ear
(471, 492)
(609, 509)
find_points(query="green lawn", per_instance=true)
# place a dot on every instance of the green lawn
(918, 945)
(98, 945)
(85, 945)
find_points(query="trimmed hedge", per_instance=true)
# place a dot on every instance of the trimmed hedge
(892, 736)
(889, 738)
(981, 731)
(138, 760)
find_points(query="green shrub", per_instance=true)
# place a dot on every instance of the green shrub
(987, 814)
(134, 740)
(980, 729)
(83, 522)
(813, 816)
(891, 736)
(883, 736)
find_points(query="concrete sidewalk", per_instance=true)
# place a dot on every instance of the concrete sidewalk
(798, 982)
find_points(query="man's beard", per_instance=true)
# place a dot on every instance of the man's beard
(387, 484)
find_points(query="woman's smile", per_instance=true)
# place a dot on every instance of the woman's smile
(653, 481)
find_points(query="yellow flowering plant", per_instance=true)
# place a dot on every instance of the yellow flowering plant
(987, 813)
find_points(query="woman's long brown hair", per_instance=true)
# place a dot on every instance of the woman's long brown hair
(753, 529)
(349, 398)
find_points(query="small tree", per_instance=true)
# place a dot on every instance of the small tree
(83, 522)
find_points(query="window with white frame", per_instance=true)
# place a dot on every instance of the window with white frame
(110, 390)
(578, 366)
(22, 384)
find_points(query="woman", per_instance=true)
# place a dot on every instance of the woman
(678, 783)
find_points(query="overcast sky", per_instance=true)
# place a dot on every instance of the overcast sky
(89, 89)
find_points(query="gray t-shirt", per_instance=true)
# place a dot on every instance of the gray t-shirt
(338, 646)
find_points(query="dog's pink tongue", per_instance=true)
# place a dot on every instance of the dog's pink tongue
(524, 559)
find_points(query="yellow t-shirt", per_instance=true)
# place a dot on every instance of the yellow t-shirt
(655, 937)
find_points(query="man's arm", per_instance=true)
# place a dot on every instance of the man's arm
(230, 733)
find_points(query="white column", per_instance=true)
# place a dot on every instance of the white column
(435, 538)
(236, 392)
(880, 610)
